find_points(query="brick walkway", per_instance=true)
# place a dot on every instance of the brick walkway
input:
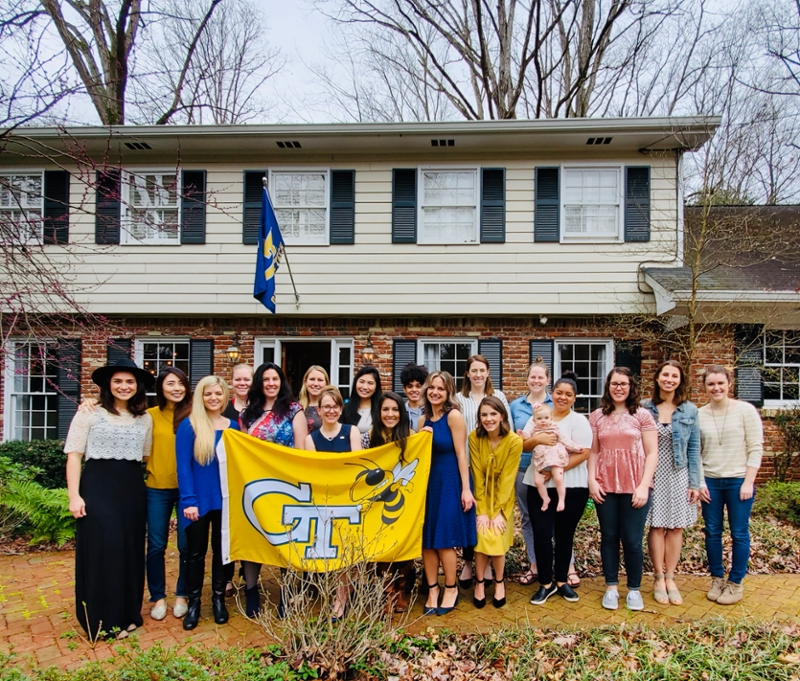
(37, 612)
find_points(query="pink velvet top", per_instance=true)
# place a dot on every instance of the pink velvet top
(620, 456)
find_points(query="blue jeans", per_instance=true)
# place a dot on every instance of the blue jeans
(160, 503)
(724, 492)
(621, 522)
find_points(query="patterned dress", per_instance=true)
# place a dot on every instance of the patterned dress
(670, 508)
(270, 428)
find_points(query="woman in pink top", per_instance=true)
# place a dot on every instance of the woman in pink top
(622, 462)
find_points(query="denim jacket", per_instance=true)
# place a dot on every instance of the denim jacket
(685, 439)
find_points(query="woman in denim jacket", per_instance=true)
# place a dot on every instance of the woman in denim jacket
(676, 485)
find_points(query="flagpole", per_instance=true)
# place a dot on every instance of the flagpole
(288, 266)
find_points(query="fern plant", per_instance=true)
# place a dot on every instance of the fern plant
(44, 511)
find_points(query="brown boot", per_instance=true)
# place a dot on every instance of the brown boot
(400, 600)
(717, 586)
(732, 593)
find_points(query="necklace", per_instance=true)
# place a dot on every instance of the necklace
(720, 433)
(331, 438)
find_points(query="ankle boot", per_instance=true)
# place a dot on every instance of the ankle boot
(195, 571)
(252, 601)
(218, 583)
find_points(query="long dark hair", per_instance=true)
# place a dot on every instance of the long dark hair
(256, 398)
(568, 377)
(350, 411)
(399, 434)
(182, 408)
(680, 391)
(137, 405)
(466, 386)
(632, 401)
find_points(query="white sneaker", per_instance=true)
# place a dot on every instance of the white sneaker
(180, 609)
(611, 600)
(159, 612)
(634, 600)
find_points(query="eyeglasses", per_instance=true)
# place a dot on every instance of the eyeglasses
(619, 385)
(334, 407)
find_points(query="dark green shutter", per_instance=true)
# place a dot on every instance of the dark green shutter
(637, 203)
(492, 350)
(404, 206)
(118, 348)
(493, 205)
(251, 212)
(107, 208)
(403, 352)
(343, 206)
(547, 209)
(193, 207)
(201, 360)
(544, 349)
(629, 354)
(749, 363)
(56, 207)
(69, 383)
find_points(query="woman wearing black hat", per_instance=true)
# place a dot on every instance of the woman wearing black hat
(109, 500)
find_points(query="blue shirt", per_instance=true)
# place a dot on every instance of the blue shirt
(521, 412)
(198, 485)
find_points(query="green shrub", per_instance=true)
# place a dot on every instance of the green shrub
(780, 500)
(47, 456)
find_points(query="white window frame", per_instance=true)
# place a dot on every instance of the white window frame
(126, 221)
(782, 403)
(276, 343)
(609, 358)
(138, 350)
(422, 342)
(39, 237)
(9, 425)
(421, 236)
(592, 238)
(288, 239)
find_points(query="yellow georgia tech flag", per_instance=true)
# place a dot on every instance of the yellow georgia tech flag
(319, 511)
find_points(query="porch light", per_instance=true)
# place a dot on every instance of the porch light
(368, 353)
(234, 351)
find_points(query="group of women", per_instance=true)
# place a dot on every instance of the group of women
(643, 464)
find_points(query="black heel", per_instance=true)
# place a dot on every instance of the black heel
(433, 609)
(499, 603)
(444, 611)
(479, 602)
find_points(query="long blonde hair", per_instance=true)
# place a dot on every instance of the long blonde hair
(202, 425)
(449, 385)
(302, 396)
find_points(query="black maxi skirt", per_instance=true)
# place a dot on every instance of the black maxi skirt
(109, 546)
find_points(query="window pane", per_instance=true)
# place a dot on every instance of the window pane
(21, 207)
(449, 206)
(33, 392)
(268, 354)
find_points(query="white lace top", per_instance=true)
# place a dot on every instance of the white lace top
(100, 435)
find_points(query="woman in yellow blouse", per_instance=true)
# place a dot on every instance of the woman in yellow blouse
(494, 451)
(174, 400)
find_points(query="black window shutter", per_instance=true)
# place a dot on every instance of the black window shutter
(493, 205)
(403, 352)
(637, 203)
(343, 206)
(107, 209)
(56, 207)
(544, 349)
(629, 354)
(546, 215)
(201, 360)
(251, 214)
(118, 348)
(749, 363)
(69, 382)
(193, 207)
(404, 206)
(492, 350)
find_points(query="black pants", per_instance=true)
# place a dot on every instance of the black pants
(620, 521)
(197, 547)
(560, 526)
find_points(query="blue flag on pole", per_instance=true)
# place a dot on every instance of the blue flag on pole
(270, 251)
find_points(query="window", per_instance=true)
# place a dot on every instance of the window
(591, 360)
(151, 207)
(300, 200)
(154, 355)
(450, 356)
(448, 206)
(592, 204)
(781, 368)
(21, 207)
(31, 393)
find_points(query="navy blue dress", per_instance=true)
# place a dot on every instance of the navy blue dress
(446, 524)
(339, 444)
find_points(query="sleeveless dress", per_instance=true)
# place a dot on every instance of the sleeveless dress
(338, 445)
(446, 524)
(670, 508)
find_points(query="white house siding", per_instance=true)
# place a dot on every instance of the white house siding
(374, 276)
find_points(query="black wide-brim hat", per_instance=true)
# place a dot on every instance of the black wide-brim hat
(102, 376)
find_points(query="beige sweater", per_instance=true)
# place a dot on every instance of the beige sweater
(742, 440)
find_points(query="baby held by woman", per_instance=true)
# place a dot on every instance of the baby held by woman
(547, 458)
